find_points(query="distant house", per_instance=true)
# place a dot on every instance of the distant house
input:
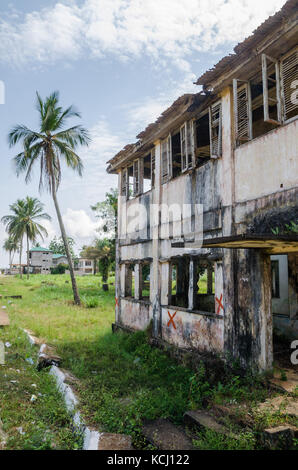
(41, 259)
(85, 266)
(59, 259)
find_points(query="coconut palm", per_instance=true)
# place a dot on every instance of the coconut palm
(15, 227)
(24, 221)
(48, 147)
(11, 246)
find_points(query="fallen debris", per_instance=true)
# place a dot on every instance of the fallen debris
(204, 421)
(47, 357)
(283, 405)
(108, 441)
(164, 435)
(280, 437)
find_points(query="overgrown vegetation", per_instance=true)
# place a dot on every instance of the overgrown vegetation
(123, 380)
(32, 412)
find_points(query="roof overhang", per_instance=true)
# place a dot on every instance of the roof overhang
(271, 244)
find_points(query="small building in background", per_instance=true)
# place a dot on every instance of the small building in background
(84, 266)
(59, 259)
(41, 260)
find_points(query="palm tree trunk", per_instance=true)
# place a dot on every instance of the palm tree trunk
(27, 256)
(21, 249)
(10, 261)
(65, 240)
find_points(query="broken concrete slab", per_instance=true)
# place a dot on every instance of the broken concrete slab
(283, 405)
(4, 319)
(280, 437)
(108, 441)
(164, 435)
(204, 421)
(47, 357)
(12, 296)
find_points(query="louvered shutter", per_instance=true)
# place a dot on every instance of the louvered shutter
(169, 158)
(124, 183)
(289, 79)
(183, 143)
(153, 168)
(242, 111)
(164, 162)
(215, 127)
(268, 98)
(136, 181)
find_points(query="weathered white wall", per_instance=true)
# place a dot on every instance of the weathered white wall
(135, 315)
(266, 163)
(193, 331)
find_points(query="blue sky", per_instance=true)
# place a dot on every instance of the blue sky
(121, 63)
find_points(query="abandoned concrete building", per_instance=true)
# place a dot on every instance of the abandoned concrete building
(230, 149)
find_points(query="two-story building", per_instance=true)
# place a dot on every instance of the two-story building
(205, 196)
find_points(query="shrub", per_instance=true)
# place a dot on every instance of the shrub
(91, 302)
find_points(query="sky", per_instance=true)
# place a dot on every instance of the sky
(121, 63)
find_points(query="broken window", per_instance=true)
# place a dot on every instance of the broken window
(138, 177)
(124, 183)
(204, 284)
(130, 182)
(176, 155)
(242, 111)
(187, 145)
(145, 281)
(215, 127)
(271, 90)
(289, 79)
(202, 139)
(149, 171)
(166, 160)
(179, 283)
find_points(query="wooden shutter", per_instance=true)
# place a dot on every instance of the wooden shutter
(136, 180)
(289, 79)
(153, 168)
(242, 111)
(268, 98)
(124, 182)
(164, 162)
(215, 128)
(183, 143)
(169, 158)
(187, 145)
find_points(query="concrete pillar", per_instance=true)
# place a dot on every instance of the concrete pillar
(209, 280)
(128, 281)
(138, 281)
(155, 279)
(249, 338)
(193, 284)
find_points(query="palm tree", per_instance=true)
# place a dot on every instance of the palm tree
(11, 246)
(33, 213)
(15, 226)
(49, 146)
(23, 221)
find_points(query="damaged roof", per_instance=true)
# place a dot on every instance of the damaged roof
(181, 109)
(249, 44)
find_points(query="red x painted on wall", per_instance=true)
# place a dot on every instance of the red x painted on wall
(171, 321)
(220, 305)
(116, 302)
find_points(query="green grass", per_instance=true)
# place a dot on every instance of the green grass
(42, 424)
(123, 380)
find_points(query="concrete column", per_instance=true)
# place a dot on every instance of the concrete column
(155, 279)
(250, 336)
(128, 281)
(193, 285)
(209, 280)
(138, 281)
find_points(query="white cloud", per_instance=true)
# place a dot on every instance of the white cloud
(79, 224)
(167, 29)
